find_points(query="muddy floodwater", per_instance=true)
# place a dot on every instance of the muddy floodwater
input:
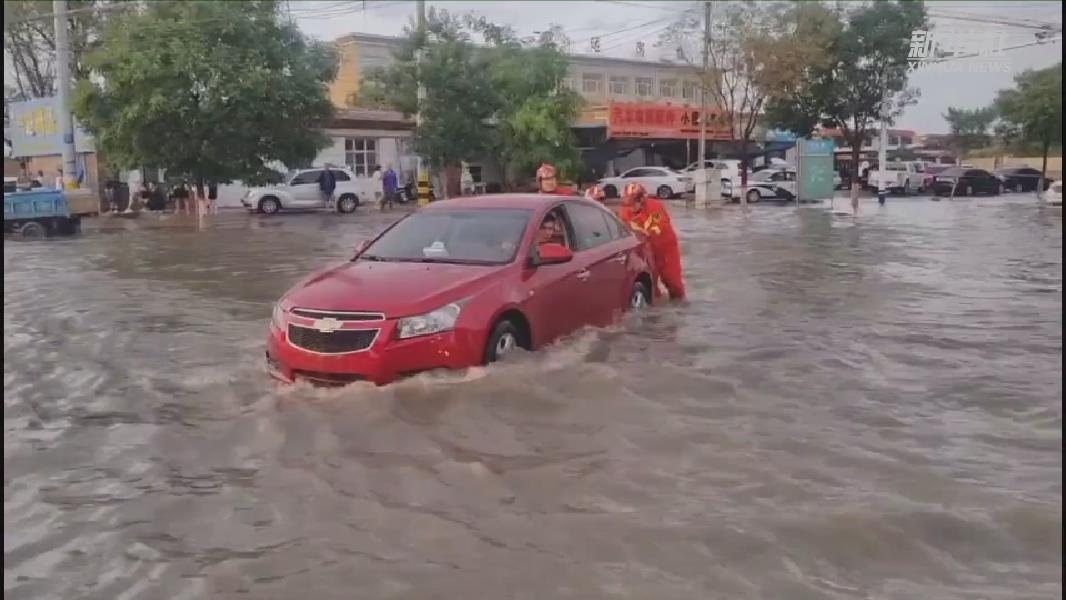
(848, 408)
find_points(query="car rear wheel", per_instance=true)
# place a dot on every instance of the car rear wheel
(506, 337)
(754, 196)
(269, 205)
(965, 190)
(640, 297)
(347, 203)
(664, 192)
(610, 191)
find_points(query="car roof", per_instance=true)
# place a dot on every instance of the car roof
(520, 201)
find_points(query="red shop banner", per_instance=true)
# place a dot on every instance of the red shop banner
(639, 120)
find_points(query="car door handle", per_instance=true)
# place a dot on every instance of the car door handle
(584, 274)
(620, 257)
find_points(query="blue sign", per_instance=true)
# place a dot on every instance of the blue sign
(815, 169)
(35, 129)
(780, 135)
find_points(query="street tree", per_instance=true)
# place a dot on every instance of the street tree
(969, 128)
(862, 83)
(213, 90)
(755, 49)
(459, 98)
(30, 46)
(1031, 112)
(534, 111)
(497, 95)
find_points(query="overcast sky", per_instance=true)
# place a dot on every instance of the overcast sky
(621, 24)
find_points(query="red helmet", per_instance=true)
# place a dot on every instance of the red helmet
(633, 190)
(546, 171)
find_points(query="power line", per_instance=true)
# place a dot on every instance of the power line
(635, 27)
(1015, 47)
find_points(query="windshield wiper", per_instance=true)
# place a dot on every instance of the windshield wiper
(457, 261)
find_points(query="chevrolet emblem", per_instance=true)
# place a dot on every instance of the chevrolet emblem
(327, 325)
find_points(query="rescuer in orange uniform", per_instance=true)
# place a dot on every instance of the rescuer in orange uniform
(547, 183)
(649, 217)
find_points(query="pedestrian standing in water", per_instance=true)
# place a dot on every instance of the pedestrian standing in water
(212, 198)
(391, 184)
(180, 194)
(327, 182)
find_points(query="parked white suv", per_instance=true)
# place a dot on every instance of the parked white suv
(905, 177)
(300, 191)
(730, 169)
(660, 181)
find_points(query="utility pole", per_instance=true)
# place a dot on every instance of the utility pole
(706, 82)
(423, 170)
(882, 150)
(66, 120)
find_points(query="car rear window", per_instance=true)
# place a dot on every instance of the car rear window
(462, 236)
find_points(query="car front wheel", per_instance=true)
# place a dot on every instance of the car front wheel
(269, 205)
(664, 192)
(505, 338)
(754, 196)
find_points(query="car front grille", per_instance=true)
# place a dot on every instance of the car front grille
(340, 341)
(311, 313)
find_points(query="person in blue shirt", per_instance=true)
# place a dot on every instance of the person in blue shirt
(390, 185)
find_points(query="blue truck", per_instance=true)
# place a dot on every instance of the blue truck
(41, 213)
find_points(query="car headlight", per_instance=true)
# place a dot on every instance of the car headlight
(278, 318)
(435, 321)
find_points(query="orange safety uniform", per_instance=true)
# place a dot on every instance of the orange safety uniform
(594, 193)
(653, 221)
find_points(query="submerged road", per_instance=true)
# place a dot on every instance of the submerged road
(848, 408)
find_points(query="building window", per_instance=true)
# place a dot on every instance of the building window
(668, 88)
(592, 83)
(893, 140)
(567, 84)
(360, 154)
(644, 86)
(690, 90)
(619, 86)
(906, 141)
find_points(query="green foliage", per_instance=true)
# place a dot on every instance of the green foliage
(502, 99)
(1031, 113)
(969, 128)
(29, 42)
(215, 90)
(756, 50)
(867, 54)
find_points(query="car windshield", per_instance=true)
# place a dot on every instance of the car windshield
(953, 172)
(486, 236)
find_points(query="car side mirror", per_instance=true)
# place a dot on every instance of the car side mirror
(552, 254)
(360, 248)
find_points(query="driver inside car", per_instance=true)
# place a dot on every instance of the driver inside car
(550, 232)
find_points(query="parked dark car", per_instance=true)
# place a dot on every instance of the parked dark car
(966, 181)
(1020, 179)
(931, 171)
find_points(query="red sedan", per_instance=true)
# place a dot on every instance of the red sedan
(460, 283)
